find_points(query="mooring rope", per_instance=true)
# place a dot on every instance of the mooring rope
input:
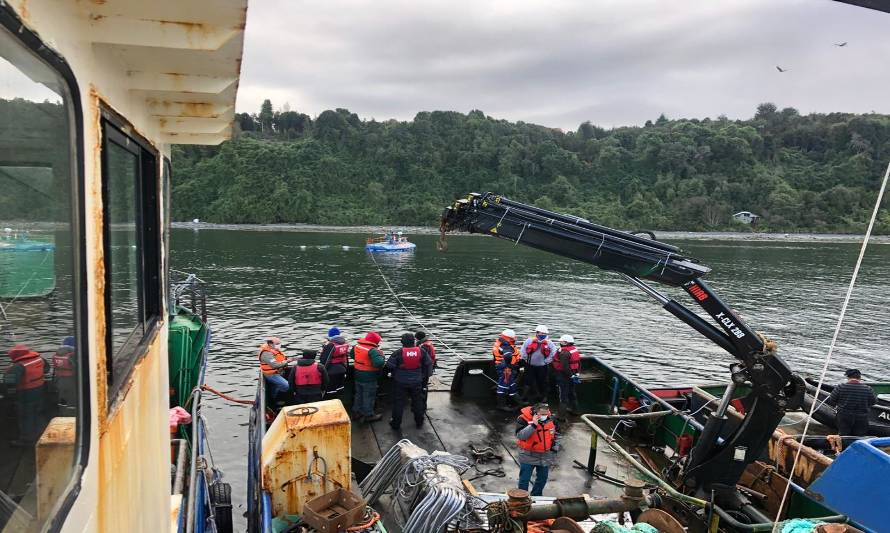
(417, 320)
(837, 330)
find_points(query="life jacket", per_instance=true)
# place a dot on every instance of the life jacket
(33, 365)
(62, 366)
(339, 353)
(430, 350)
(363, 356)
(411, 358)
(542, 439)
(535, 344)
(496, 351)
(307, 375)
(574, 360)
(279, 358)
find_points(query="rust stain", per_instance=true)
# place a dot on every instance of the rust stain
(93, 122)
(95, 17)
(99, 2)
(24, 14)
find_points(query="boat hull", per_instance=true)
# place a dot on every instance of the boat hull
(385, 247)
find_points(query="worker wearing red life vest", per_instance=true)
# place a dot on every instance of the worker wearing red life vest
(537, 436)
(309, 378)
(26, 374)
(538, 352)
(506, 363)
(64, 362)
(273, 363)
(566, 366)
(411, 368)
(368, 362)
(334, 357)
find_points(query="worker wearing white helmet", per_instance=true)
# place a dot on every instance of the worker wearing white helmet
(566, 366)
(506, 362)
(538, 352)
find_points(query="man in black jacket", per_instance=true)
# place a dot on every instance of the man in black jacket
(309, 378)
(853, 400)
(411, 367)
(334, 358)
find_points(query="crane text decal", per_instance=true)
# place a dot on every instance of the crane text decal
(729, 325)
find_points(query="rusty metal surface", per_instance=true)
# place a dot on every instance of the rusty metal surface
(662, 521)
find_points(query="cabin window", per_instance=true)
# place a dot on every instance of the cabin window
(130, 182)
(43, 359)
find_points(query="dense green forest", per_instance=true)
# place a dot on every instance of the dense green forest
(817, 172)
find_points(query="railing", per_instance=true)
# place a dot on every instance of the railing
(188, 291)
(258, 504)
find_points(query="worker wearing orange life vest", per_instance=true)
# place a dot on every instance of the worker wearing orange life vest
(64, 362)
(538, 353)
(411, 368)
(506, 363)
(537, 436)
(309, 379)
(334, 358)
(566, 366)
(368, 362)
(273, 363)
(26, 375)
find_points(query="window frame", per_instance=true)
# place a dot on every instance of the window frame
(11, 22)
(115, 129)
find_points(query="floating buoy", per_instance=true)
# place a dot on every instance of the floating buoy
(196, 221)
(346, 247)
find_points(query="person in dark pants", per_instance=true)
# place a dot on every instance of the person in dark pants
(538, 352)
(368, 362)
(427, 346)
(566, 365)
(537, 435)
(309, 379)
(64, 370)
(26, 374)
(411, 368)
(506, 363)
(334, 357)
(853, 400)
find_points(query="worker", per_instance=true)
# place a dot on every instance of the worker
(273, 363)
(63, 372)
(538, 352)
(368, 363)
(426, 344)
(310, 379)
(853, 400)
(506, 363)
(26, 375)
(410, 367)
(538, 437)
(566, 365)
(334, 357)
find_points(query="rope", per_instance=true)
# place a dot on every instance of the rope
(837, 330)
(224, 396)
(417, 320)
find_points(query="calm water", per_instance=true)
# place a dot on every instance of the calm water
(297, 285)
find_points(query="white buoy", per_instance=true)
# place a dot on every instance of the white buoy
(346, 247)
(196, 221)
(302, 247)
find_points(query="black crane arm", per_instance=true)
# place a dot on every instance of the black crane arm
(714, 463)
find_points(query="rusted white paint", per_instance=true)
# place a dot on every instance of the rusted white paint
(170, 68)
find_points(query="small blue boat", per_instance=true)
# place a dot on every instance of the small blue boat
(390, 242)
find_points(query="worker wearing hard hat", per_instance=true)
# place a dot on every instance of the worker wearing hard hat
(538, 353)
(566, 365)
(506, 362)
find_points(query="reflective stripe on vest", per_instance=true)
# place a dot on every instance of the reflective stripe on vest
(62, 365)
(279, 358)
(411, 358)
(307, 375)
(430, 350)
(542, 439)
(363, 356)
(496, 351)
(533, 346)
(338, 354)
(33, 365)
(574, 359)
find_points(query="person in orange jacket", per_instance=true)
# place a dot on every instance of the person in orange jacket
(537, 436)
(506, 362)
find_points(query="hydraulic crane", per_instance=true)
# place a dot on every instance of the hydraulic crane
(715, 464)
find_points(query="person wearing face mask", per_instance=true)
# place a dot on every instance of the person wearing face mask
(537, 435)
(538, 353)
(273, 363)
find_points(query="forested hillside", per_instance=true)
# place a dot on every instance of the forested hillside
(801, 173)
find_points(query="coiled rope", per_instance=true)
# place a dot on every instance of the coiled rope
(837, 330)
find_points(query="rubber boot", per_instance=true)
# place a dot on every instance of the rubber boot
(502, 403)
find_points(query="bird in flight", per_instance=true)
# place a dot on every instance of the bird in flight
(780, 69)
(841, 44)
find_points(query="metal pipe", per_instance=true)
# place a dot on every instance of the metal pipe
(594, 507)
(193, 475)
(768, 526)
(725, 400)
(181, 452)
(631, 416)
(651, 291)
(662, 484)
(267, 512)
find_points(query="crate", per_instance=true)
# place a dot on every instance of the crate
(333, 511)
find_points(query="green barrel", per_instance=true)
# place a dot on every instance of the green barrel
(27, 268)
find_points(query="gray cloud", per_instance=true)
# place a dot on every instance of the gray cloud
(562, 62)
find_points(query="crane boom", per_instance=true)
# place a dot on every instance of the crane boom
(715, 464)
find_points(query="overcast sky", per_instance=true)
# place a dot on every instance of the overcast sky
(561, 62)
